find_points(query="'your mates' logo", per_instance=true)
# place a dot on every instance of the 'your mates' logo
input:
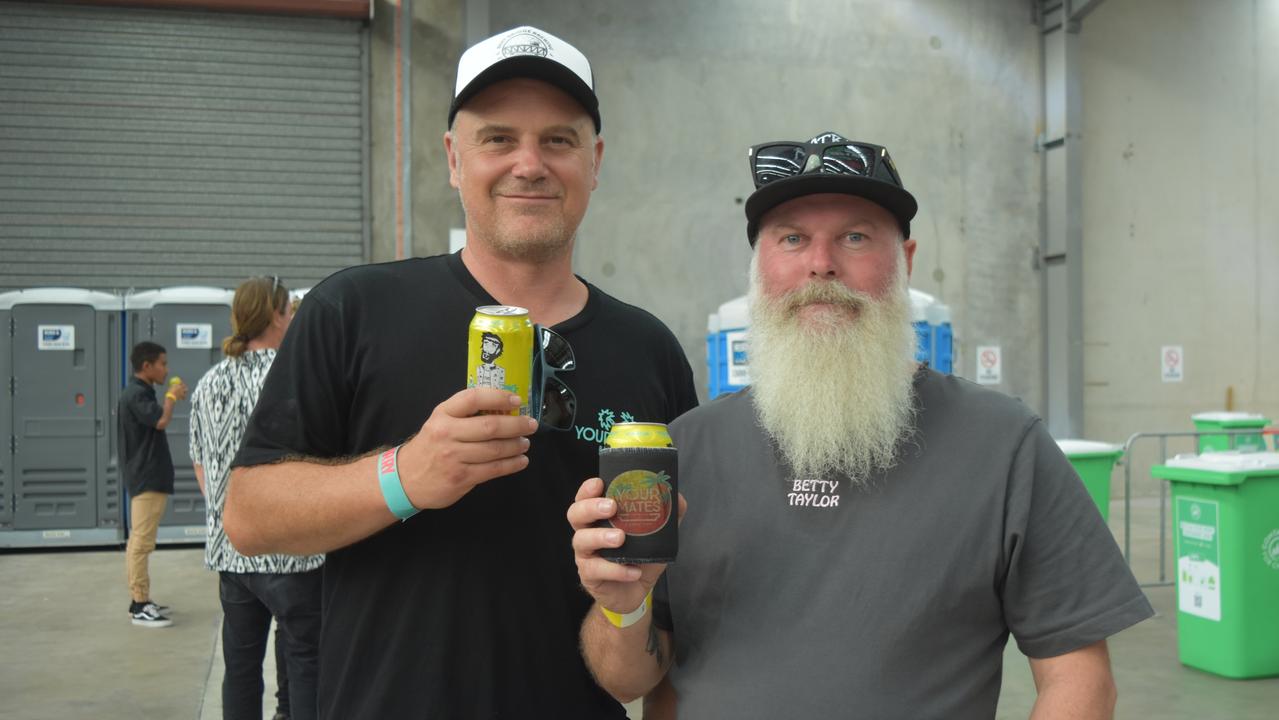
(606, 419)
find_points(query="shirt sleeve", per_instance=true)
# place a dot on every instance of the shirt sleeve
(146, 411)
(1066, 585)
(196, 441)
(681, 390)
(302, 410)
(686, 397)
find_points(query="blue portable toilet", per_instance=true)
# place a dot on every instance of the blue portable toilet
(938, 317)
(919, 303)
(727, 347)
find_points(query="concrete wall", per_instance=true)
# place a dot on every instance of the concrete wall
(952, 89)
(1181, 176)
(436, 43)
(1180, 163)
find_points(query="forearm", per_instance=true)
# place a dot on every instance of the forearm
(167, 415)
(626, 662)
(303, 508)
(661, 703)
(1075, 703)
(1075, 686)
(199, 478)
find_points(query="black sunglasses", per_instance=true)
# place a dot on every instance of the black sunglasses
(774, 161)
(554, 405)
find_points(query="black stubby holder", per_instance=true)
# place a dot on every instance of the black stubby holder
(644, 483)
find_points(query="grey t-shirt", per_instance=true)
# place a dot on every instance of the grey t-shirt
(811, 598)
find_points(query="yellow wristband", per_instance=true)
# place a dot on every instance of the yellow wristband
(624, 620)
(171, 396)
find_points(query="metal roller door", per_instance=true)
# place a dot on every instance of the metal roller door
(147, 148)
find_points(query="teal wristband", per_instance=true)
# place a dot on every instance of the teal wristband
(388, 477)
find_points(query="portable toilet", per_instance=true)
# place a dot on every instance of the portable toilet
(190, 323)
(713, 343)
(727, 347)
(919, 303)
(59, 472)
(942, 347)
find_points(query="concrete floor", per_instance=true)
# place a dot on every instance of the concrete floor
(67, 649)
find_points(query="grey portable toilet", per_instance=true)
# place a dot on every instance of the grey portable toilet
(190, 322)
(62, 364)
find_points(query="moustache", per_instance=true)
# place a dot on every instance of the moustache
(826, 292)
(537, 187)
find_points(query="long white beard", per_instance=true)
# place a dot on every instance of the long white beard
(834, 392)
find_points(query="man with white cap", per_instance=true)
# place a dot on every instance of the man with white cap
(862, 533)
(449, 589)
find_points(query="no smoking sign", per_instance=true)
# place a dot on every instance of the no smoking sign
(989, 365)
(1172, 363)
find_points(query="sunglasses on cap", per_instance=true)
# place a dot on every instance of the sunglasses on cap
(774, 161)
(552, 403)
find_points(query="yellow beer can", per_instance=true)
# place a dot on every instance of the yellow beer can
(500, 351)
(638, 434)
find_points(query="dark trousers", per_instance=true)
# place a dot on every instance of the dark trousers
(281, 676)
(249, 601)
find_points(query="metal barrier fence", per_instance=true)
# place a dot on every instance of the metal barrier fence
(1127, 461)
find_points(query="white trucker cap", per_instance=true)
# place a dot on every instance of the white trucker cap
(525, 52)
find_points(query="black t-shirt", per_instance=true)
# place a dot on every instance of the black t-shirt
(145, 462)
(472, 611)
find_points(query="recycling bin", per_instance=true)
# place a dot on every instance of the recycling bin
(1094, 462)
(1230, 421)
(1226, 540)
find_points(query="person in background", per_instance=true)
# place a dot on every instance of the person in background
(253, 589)
(146, 466)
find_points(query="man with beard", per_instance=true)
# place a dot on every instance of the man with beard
(862, 534)
(469, 608)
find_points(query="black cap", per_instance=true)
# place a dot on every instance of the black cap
(529, 53)
(881, 186)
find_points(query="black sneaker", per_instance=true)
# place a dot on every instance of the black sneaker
(149, 617)
(159, 609)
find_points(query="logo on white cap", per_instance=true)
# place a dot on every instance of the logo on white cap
(523, 41)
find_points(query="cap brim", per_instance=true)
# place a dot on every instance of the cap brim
(528, 66)
(895, 200)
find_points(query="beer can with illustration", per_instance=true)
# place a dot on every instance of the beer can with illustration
(500, 351)
(639, 466)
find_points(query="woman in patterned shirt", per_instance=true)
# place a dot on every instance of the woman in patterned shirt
(252, 589)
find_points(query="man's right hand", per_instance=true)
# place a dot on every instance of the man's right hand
(616, 587)
(457, 448)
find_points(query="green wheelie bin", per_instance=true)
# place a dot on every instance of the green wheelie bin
(1226, 534)
(1093, 461)
(1230, 421)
